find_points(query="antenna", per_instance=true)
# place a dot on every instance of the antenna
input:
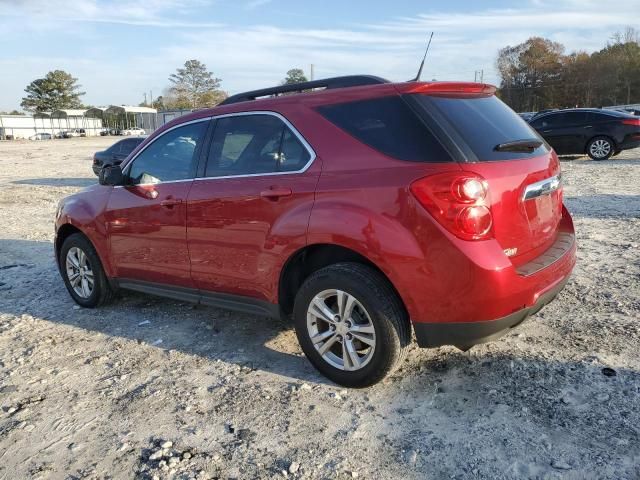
(423, 59)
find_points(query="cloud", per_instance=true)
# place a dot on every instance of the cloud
(253, 56)
(153, 13)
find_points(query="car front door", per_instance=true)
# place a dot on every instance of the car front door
(146, 218)
(252, 205)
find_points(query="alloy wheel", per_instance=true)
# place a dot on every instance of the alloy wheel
(341, 330)
(600, 148)
(79, 272)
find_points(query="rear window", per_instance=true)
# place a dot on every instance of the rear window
(480, 122)
(388, 125)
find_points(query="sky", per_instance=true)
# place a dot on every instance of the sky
(120, 49)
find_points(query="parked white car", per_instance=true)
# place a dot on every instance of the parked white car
(73, 133)
(133, 131)
(40, 136)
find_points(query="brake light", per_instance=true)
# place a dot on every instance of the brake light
(447, 87)
(459, 202)
(631, 121)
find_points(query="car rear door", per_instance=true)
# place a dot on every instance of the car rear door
(146, 219)
(250, 209)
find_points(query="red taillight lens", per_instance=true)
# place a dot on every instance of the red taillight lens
(459, 202)
(632, 121)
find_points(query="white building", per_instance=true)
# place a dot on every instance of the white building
(91, 121)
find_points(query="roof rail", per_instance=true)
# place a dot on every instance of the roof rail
(327, 83)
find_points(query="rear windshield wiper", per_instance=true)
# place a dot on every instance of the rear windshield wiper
(518, 146)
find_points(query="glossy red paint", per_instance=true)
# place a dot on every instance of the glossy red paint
(241, 230)
(146, 225)
(229, 235)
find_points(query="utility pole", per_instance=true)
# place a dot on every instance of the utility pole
(311, 74)
(145, 98)
(478, 75)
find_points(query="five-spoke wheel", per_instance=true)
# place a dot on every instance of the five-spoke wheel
(351, 324)
(82, 272)
(79, 272)
(341, 330)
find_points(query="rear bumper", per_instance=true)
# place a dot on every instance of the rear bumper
(630, 142)
(466, 334)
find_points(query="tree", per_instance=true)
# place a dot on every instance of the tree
(57, 90)
(295, 75)
(530, 72)
(195, 87)
(536, 74)
(12, 112)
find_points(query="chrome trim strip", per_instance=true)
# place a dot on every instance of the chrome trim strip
(543, 187)
(298, 135)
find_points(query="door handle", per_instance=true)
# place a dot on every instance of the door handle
(274, 193)
(170, 202)
(589, 126)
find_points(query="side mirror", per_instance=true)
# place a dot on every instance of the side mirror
(111, 175)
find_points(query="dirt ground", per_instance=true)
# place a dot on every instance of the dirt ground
(148, 387)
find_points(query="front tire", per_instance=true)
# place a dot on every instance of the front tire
(351, 324)
(82, 272)
(600, 148)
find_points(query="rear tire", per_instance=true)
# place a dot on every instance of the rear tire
(361, 342)
(82, 272)
(600, 148)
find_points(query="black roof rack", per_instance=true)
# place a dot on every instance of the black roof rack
(327, 83)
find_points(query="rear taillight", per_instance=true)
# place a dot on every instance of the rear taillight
(632, 121)
(458, 201)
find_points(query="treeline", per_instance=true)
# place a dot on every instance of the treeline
(191, 87)
(537, 74)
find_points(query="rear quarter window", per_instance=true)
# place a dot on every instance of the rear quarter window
(388, 125)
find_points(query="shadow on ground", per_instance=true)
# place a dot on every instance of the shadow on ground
(252, 341)
(604, 205)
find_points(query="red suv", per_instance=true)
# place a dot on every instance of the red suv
(357, 207)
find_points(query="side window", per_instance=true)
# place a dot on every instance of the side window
(170, 157)
(128, 146)
(293, 155)
(554, 120)
(115, 148)
(253, 144)
(388, 125)
(575, 118)
(537, 123)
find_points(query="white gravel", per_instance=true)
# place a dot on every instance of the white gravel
(153, 388)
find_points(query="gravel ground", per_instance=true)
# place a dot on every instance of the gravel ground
(148, 387)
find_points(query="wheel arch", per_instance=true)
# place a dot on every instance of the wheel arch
(311, 258)
(64, 232)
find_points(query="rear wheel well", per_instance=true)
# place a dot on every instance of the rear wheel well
(63, 233)
(311, 259)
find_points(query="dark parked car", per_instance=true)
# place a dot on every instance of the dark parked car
(115, 154)
(526, 116)
(595, 132)
(360, 211)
